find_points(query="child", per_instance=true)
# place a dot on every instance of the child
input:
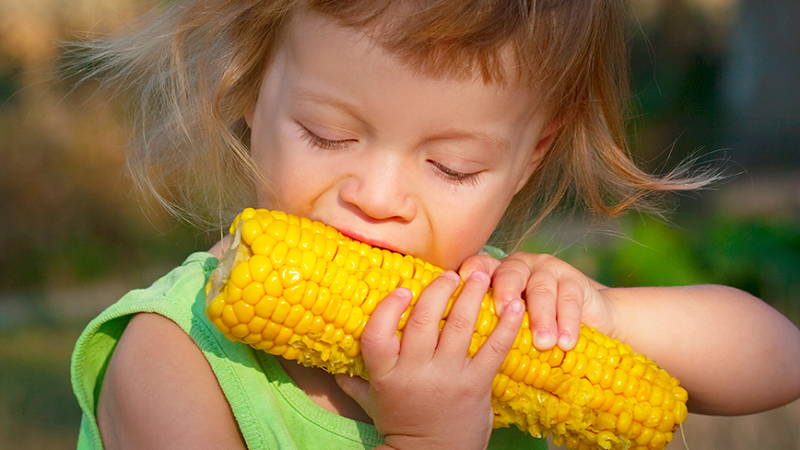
(422, 127)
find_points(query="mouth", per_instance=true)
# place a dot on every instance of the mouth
(367, 240)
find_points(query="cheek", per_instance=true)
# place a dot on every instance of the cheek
(272, 155)
(297, 178)
(463, 233)
(287, 181)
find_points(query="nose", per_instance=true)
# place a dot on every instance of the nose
(381, 187)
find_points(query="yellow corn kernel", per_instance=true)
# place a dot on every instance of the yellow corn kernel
(295, 314)
(244, 312)
(266, 306)
(300, 289)
(253, 293)
(215, 307)
(606, 421)
(251, 229)
(645, 436)
(310, 295)
(240, 330)
(281, 311)
(294, 293)
(260, 267)
(272, 284)
(321, 303)
(229, 316)
(278, 254)
(624, 422)
(541, 377)
(556, 357)
(618, 406)
(605, 439)
(511, 362)
(620, 381)
(522, 369)
(667, 421)
(256, 325)
(263, 245)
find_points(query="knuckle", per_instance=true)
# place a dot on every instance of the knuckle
(514, 265)
(541, 322)
(371, 336)
(459, 323)
(470, 390)
(526, 258)
(572, 293)
(539, 289)
(421, 319)
(570, 298)
(497, 347)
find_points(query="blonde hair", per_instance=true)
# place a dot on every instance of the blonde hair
(196, 67)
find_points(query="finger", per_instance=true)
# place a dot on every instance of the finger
(421, 332)
(509, 280)
(457, 333)
(380, 345)
(541, 295)
(478, 263)
(569, 308)
(493, 352)
(355, 387)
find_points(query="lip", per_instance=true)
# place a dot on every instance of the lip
(365, 239)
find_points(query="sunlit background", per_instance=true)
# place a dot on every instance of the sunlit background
(714, 79)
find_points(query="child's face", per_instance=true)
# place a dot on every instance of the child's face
(349, 135)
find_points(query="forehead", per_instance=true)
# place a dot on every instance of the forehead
(453, 43)
(323, 49)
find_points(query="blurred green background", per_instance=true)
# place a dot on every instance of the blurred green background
(715, 79)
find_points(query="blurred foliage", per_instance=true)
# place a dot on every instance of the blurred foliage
(71, 215)
(759, 254)
(37, 407)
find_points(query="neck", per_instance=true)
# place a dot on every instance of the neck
(322, 389)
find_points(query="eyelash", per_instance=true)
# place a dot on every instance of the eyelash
(444, 171)
(455, 176)
(321, 142)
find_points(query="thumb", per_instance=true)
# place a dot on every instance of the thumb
(355, 387)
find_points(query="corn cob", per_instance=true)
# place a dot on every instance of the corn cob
(302, 290)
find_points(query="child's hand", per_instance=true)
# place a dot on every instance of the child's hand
(559, 297)
(425, 392)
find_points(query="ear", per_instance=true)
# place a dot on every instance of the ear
(546, 139)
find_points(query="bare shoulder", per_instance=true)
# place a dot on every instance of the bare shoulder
(160, 392)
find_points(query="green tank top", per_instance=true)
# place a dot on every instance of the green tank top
(271, 411)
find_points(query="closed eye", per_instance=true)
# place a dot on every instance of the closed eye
(321, 142)
(455, 176)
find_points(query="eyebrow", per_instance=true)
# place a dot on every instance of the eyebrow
(444, 134)
(496, 143)
(305, 95)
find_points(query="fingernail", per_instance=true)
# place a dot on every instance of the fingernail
(543, 339)
(499, 307)
(403, 292)
(516, 307)
(450, 276)
(478, 276)
(564, 341)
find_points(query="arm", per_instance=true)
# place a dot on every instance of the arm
(160, 392)
(732, 352)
